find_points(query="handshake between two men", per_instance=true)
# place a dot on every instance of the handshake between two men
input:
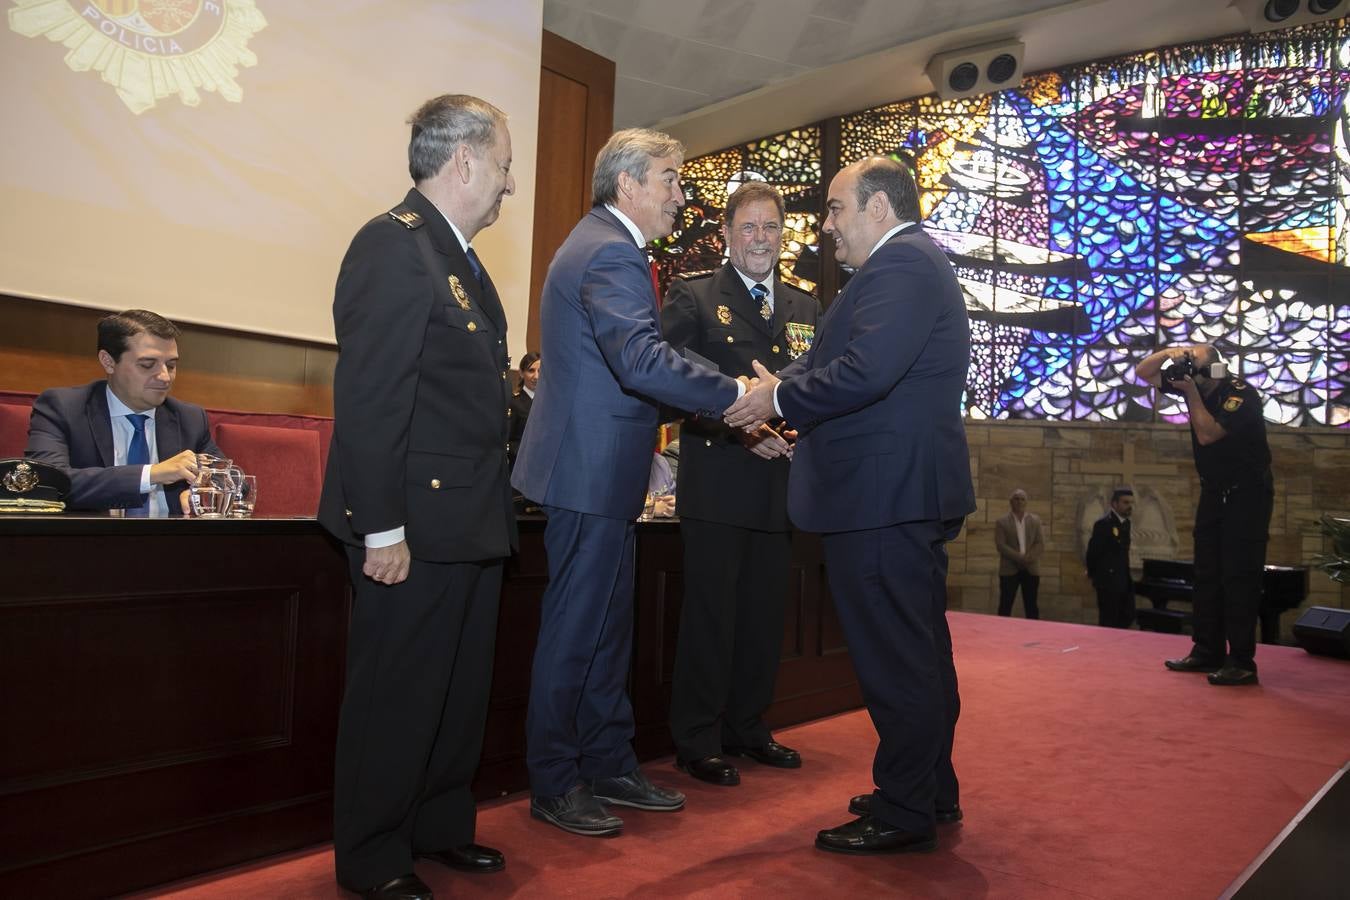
(751, 414)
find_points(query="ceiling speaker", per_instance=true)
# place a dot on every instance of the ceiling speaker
(978, 70)
(1269, 15)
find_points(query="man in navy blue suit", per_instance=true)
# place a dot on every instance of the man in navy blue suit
(882, 470)
(585, 457)
(125, 443)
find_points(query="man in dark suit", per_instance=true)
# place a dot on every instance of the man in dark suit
(1108, 562)
(586, 457)
(417, 487)
(883, 472)
(125, 443)
(732, 502)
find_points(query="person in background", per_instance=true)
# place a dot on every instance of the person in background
(124, 442)
(417, 488)
(1232, 520)
(522, 398)
(1108, 562)
(732, 501)
(1020, 545)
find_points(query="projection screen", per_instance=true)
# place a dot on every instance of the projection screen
(211, 159)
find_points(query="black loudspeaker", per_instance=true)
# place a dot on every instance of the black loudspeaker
(1324, 631)
(1268, 15)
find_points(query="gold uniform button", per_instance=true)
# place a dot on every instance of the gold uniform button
(435, 484)
(730, 339)
(348, 512)
(707, 443)
(775, 349)
(472, 326)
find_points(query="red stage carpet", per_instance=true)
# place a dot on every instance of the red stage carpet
(1087, 770)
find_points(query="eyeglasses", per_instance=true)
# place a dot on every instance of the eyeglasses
(769, 229)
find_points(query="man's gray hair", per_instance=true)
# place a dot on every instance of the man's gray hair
(442, 124)
(895, 180)
(631, 150)
(1019, 493)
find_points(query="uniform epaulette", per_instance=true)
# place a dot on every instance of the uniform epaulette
(1238, 383)
(698, 277)
(409, 219)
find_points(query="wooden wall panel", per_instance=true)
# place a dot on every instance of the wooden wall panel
(576, 115)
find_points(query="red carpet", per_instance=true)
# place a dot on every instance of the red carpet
(1087, 770)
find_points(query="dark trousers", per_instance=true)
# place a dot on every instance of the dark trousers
(731, 633)
(1115, 605)
(580, 722)
(419, 667)
(1231, 532)
(890, 590)
(1007, 593)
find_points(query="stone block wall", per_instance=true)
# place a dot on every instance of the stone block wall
(1061, 464)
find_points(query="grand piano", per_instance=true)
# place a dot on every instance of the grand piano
(1169, 581)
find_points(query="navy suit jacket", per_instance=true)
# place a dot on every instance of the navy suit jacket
(588, 444)
(70, 429)
(877, 399)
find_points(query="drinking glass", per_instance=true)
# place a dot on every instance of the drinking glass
(245, 496)
(211, 496)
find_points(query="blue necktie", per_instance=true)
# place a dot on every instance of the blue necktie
(761, 293)
(476, 266)
(138, 454)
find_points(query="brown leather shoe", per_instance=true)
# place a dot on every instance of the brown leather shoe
(469, 858)
(404, 887)
(712, 769)
(866, 836)
(861, 805)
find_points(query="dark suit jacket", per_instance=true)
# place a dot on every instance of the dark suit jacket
(715, 316)
(878, 397)
(1108, 554)
(70, 429)
(589, 441)
(419, 396)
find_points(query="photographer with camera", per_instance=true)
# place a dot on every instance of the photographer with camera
(1228, 441)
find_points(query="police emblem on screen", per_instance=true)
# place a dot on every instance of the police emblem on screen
(149, 50)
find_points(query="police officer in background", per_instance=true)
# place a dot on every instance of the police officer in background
(732, 500)
(1228, 438)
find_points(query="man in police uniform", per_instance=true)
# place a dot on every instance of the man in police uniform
(417, 488)
(1237, 494)
(732, 500)
(1108, 562)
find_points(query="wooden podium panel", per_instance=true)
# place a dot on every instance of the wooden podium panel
(168, 693)
(169, 689)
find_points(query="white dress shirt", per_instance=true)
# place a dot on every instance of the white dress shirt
(750, 283)
(122, 433)
(1021, 523)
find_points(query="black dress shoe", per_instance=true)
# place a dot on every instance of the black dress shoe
(868, 835)
(636, 791)
(861, 805)
(404, 887)
(1231, 676)
(576, 811)
(1192, 663)
(771, 754)
(712, 769)
(469, 858)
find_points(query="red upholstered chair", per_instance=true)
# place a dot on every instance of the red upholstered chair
(13, 429)
(286, 461)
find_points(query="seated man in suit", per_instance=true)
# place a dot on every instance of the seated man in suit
(124, 442)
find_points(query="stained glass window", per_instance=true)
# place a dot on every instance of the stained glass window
(1194, 193)
(790, 162)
